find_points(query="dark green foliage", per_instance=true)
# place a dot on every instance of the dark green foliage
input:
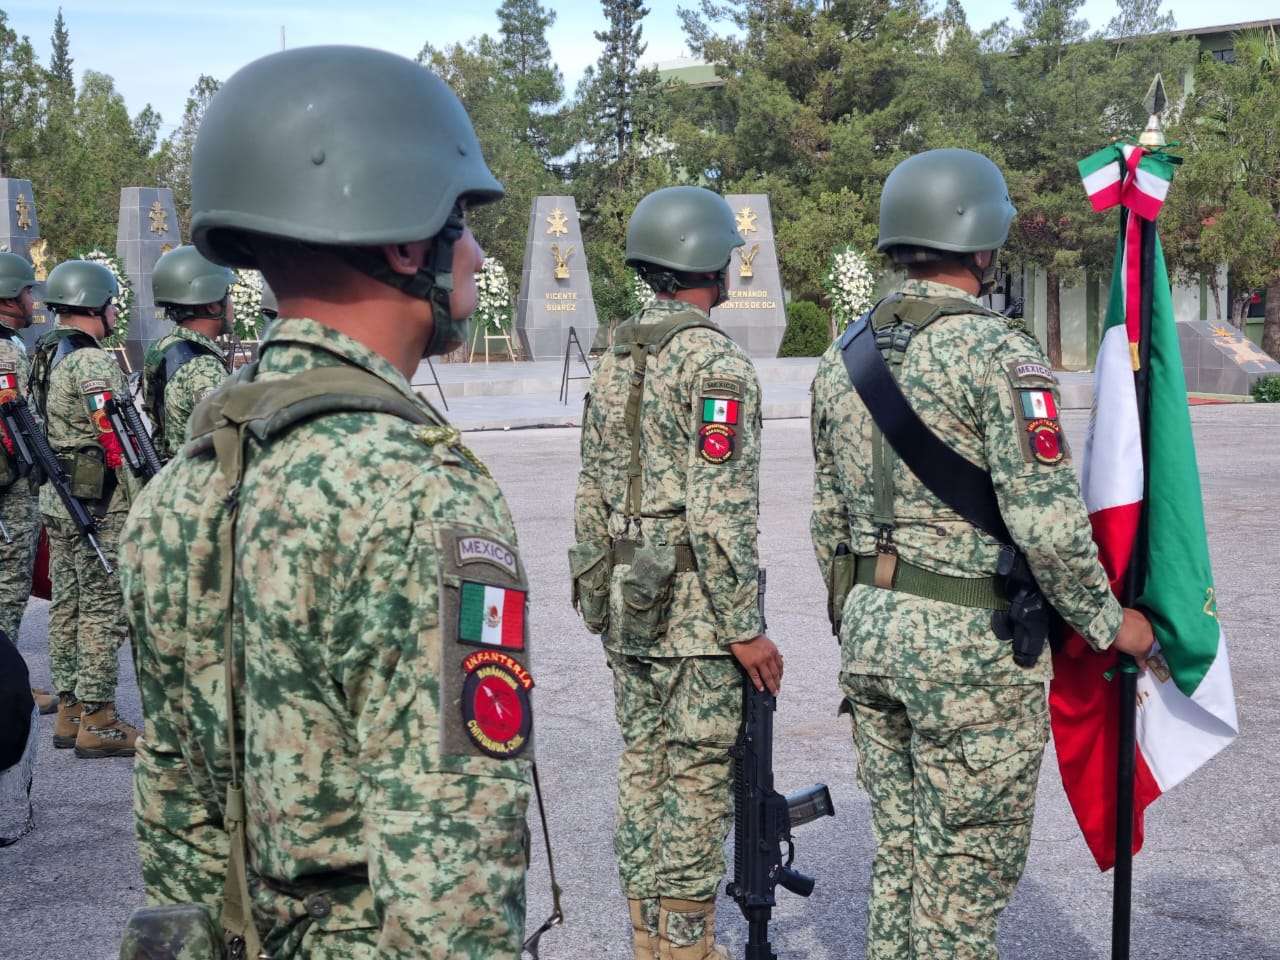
(1266, 389)
(808, 331)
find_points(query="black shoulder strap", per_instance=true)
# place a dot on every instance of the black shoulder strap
(964, 487)
(173, 358)
(68, 345)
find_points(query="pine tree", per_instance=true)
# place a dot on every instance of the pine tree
(62, 81)
(526, 57)
(618, 93)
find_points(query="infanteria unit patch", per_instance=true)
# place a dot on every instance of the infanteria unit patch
(1046, 440)
(715, 442)
(496, 711)
(491, 616)
(485, 550)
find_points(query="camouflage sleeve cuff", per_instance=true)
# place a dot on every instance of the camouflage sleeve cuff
(1102, 629)
(741, 627)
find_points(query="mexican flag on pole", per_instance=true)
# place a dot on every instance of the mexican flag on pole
(1186, 706)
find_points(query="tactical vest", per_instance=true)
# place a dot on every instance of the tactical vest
(895, 321)
(221, 427)
(642, 341)
(53, 348)
(159, 371)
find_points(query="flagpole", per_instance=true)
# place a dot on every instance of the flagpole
(1127, 672)
(1135, 579)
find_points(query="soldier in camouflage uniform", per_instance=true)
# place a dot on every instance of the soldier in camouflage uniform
(18, 506)
(949, 730)
(72, 378)
(185, 366)
(665, 565)
(383, 704)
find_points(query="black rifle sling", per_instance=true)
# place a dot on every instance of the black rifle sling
(964, 487)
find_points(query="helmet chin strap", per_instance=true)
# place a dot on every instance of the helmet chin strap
(432, 282)
(986, 276)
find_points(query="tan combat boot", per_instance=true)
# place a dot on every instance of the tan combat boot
(687, 930)
(104, 734)
(67, 724)
(644, 928)
(46, 701)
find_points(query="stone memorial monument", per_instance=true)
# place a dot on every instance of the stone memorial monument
(755, 314)
(148, 228)
(555, 288)
(20, 234)
(1218, 358)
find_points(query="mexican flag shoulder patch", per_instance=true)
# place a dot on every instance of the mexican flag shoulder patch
(491, 616)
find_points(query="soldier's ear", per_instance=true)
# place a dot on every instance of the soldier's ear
(406, 258)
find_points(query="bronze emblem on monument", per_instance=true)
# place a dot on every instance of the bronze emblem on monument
(562, 261)
(23, 210)
(745, 257)
(159, 220)
(557, 223)
(746, 218)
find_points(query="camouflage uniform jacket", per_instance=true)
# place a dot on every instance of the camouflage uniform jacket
(75, 421)
(967, 376)
(355, 788)
(193, 381)
(14, 364)
(699, 482)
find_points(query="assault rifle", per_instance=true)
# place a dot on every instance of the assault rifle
(763, 818)
(36, 456)
(135, 442)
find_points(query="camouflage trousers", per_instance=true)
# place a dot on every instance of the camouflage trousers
(21, 517)
(679, 717)
(951, 770)
(86, 616)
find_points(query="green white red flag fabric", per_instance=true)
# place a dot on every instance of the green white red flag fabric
(491, 616)
(1186, 704)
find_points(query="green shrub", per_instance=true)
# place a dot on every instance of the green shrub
(808, 331)
(1267, 389)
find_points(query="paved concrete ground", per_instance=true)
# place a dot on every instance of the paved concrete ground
(1206, 885)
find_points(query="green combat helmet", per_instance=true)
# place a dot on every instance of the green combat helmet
(944, 202)
(184, 278)
(80, 284)
(681, 230)
(344, 147)
(16, 274)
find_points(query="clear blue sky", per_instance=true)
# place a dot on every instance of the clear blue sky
(155, 49)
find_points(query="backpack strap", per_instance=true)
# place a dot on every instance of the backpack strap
(172, 359)
(642, 341)
(53, 348)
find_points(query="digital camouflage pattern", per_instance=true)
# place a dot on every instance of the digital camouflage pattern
(171, 932)
(679, 716)
(951, 771)
(86, 620)
(687, 499)
(923, 677)
(366, 838)
(191, 383)
(678, 698)
(18, 510)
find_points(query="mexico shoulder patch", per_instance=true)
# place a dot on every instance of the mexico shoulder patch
(491, 616)
(496, 712)
(8, 384)
(719, 410)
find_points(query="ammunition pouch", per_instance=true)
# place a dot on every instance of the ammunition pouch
(840, 580)
(184, 930)
(92, 481)
(591, 567)
(645, 591)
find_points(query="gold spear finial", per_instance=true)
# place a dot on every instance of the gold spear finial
(1156, 101)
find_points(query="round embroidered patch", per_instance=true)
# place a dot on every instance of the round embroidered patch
(495, 704)
(1046, 442)
(716, 442)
